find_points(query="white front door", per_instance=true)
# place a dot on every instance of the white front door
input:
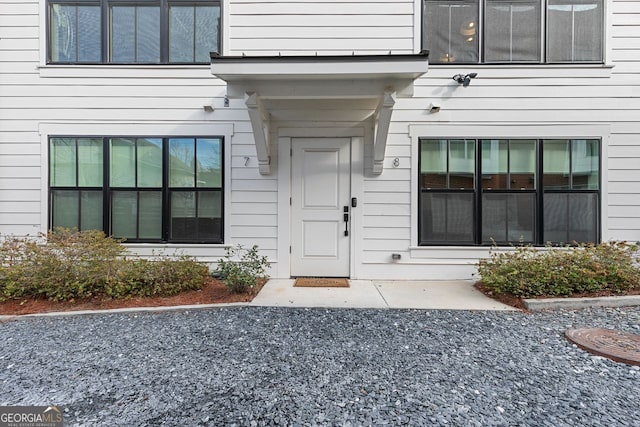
(320, 203)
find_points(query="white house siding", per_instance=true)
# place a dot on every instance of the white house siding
(545, 97)
(36, 99)
(336, 27)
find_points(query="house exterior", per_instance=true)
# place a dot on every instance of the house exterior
(394, 139)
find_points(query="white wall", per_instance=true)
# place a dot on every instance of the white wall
(35, 97)
(337, 27)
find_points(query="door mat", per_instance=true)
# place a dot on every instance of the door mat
(315, 282)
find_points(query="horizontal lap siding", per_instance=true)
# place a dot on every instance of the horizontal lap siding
(20, 172)
(334, 27)
(31, 95)
(624, 152)
(541, 96)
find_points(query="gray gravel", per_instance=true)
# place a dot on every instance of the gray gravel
(276, 366)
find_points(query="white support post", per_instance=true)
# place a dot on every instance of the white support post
(385, 108)
(260, 131)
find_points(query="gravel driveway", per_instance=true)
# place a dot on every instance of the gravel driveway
(276, 366)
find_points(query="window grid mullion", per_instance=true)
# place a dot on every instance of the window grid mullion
(79, 191)
(195, 32)
(166, 199)
(106, 187)
(164, 31)
(478, 193)
(540, 198)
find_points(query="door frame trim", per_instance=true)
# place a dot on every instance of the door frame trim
(285, 136)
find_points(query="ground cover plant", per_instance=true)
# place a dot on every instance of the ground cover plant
(241, 269)
(68, 264)
(529, 272)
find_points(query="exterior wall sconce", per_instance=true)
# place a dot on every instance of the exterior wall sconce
(434, 108)
(208, 108)
(466, 79)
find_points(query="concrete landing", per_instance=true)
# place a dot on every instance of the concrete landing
(440, 295)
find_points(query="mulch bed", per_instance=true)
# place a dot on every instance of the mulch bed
(213, 292)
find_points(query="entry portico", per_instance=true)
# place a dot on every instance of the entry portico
(320, 125)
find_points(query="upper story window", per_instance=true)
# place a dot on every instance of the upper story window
(138, 31)
(514, 31)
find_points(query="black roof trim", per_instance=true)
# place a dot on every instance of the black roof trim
(216, 57)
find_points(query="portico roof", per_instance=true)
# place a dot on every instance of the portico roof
(274, 86)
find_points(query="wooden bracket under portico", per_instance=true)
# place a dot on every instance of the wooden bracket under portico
(343, 89)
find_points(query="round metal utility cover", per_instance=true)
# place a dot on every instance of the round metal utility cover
(615, 345)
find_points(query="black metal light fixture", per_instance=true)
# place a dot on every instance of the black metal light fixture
(466, 79)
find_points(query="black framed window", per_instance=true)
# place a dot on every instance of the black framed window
(133, 31)
(508, 31)
(509, 191)
(447, 198)
(143, 189)
(74, 32)
(76, 183)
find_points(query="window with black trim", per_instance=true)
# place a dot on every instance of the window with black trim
(514, 31)
(133, 32)
(509, 191)
(143, 189)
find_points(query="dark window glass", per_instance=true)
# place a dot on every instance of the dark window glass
(508, 217)
(508, 202)
(575, 30)
(196, 215)
(447, 170)
(138, 31)
(74, 33)
(447, 217)
(508, 164)
(139, 198)
(135, 34)
(570, 217)
(193, 33)
(505, 203)
(451, 30)
(75, 179)
(513, 31)
(196, 164)
(585, 164)
(447, 163)
(136, 214)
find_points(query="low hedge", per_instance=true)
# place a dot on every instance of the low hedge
(528, 272)
(72, 265)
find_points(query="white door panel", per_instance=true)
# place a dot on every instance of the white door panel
(320, 191)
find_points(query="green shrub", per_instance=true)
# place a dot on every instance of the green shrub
(529, 272)
(76, 265)
(241, 268)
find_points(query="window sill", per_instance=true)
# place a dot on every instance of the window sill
(156, 246)
(124, 70)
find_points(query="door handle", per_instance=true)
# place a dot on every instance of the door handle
(345, 217)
